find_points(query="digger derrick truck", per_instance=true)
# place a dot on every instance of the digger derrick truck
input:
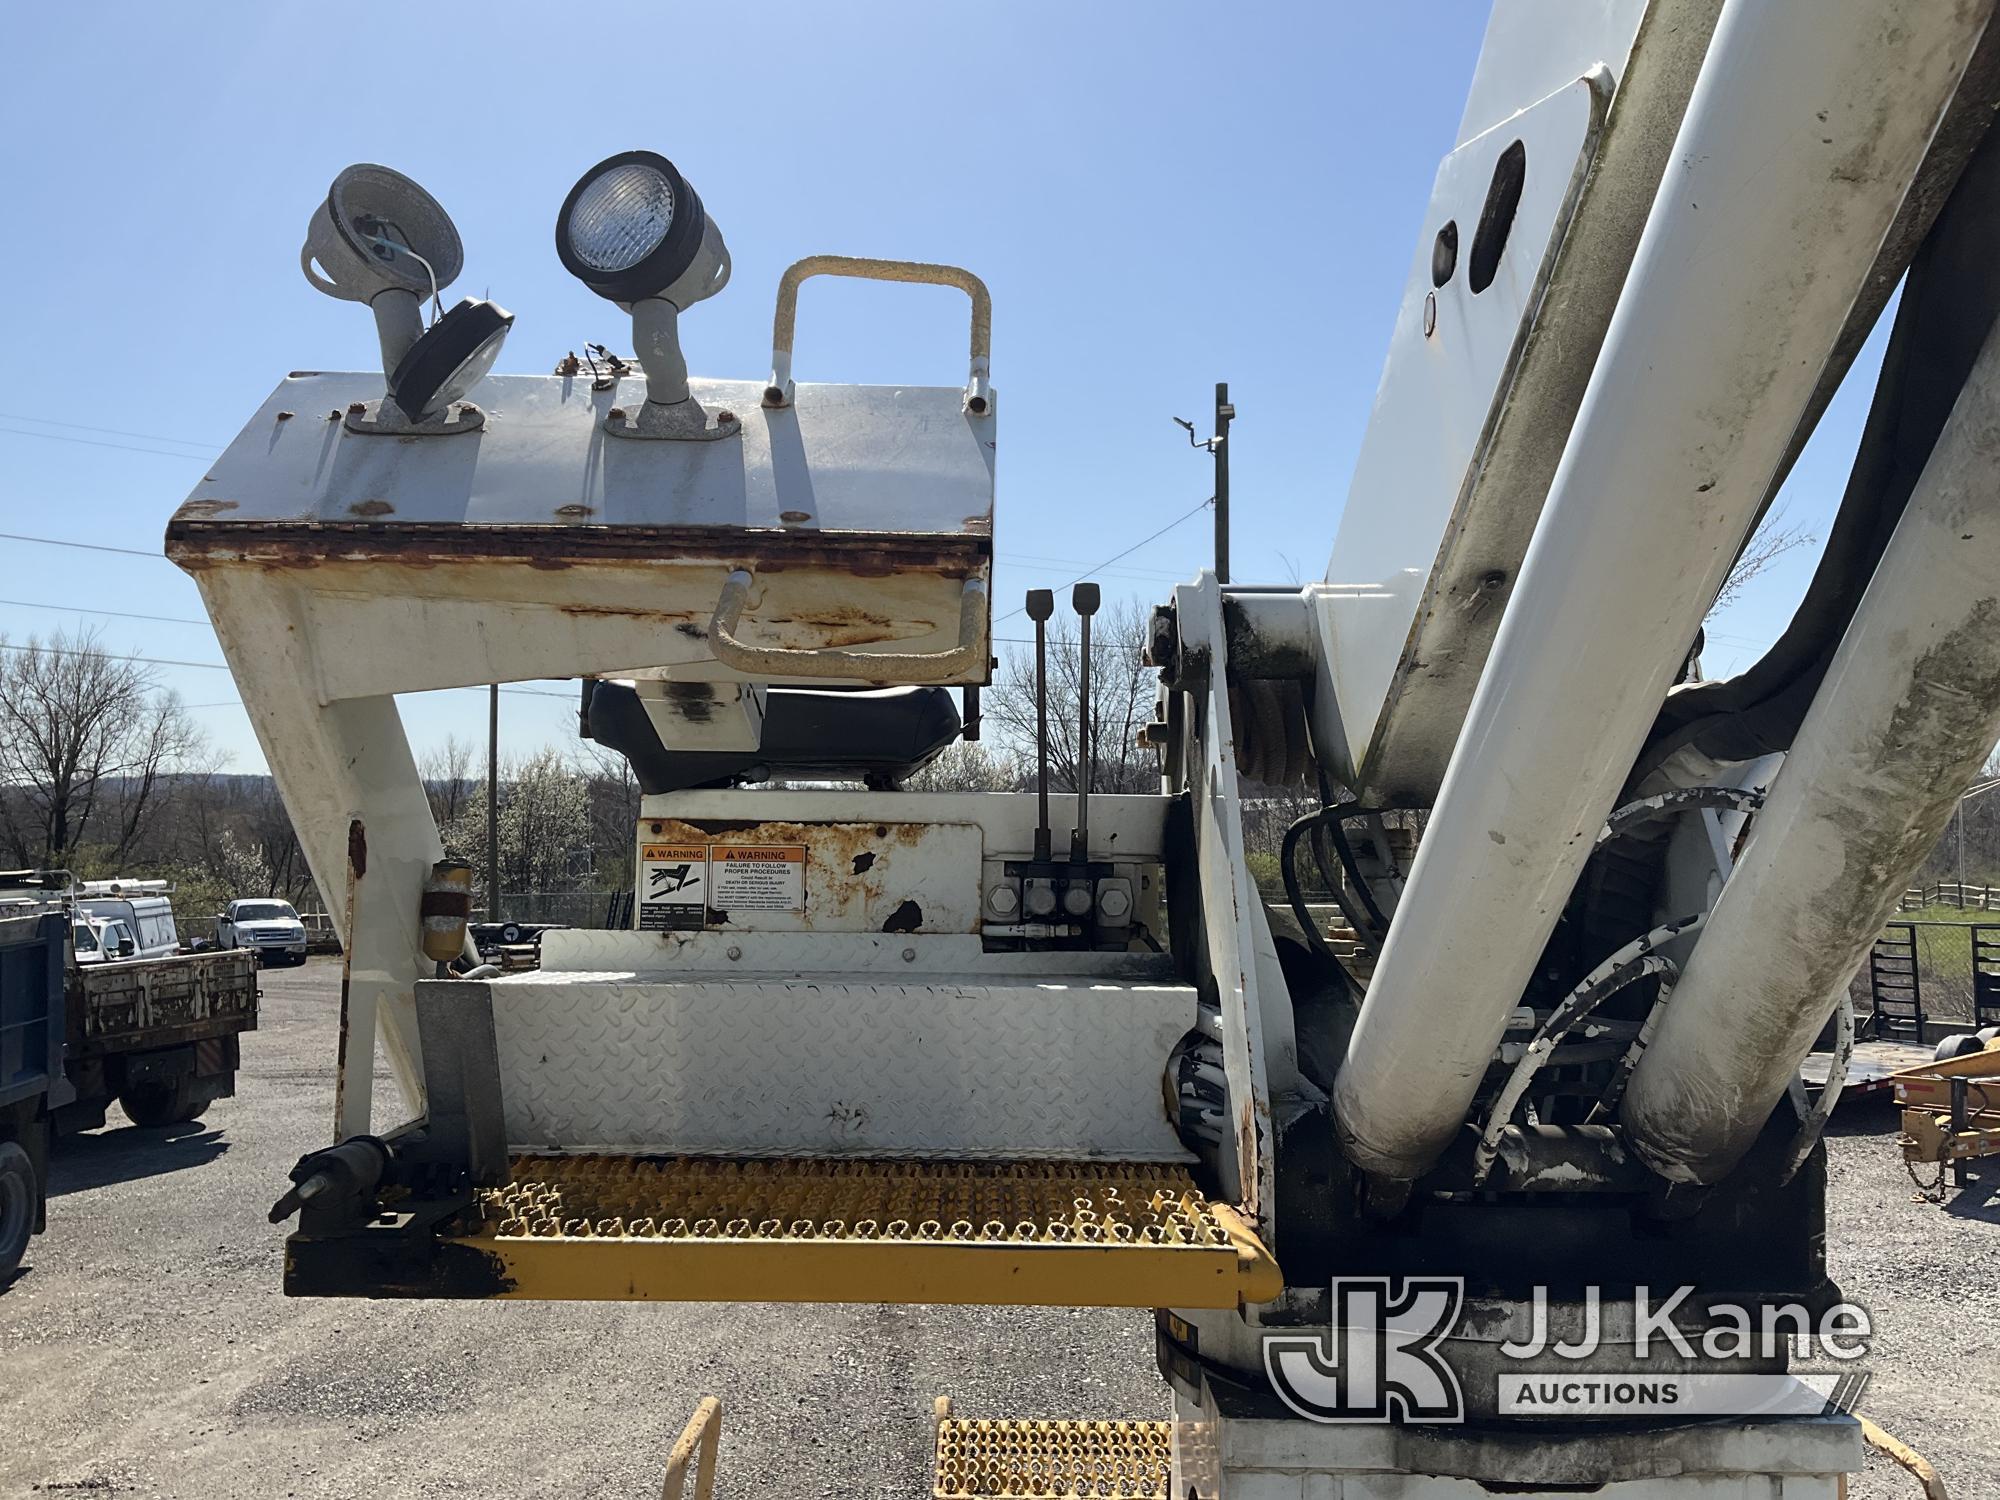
(868, 1044)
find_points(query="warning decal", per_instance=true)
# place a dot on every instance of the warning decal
(673, 886)
(757, 877)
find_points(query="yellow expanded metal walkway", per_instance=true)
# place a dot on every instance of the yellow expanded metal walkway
(1014, 1233)
(1051, 1460)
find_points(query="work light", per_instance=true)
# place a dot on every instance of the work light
(633, 228)
(634, 231)
(379, 238)
(452, 357)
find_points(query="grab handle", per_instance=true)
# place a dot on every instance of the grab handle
(978, 393)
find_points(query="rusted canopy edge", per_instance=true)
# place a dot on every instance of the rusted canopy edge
(197, 545)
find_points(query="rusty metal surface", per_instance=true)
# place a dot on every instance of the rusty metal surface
(162, 1001)
(206, 538)
(860, 877)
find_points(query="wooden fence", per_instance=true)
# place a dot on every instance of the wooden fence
(1951, 893)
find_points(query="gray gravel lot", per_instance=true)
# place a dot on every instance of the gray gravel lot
(147, 1350)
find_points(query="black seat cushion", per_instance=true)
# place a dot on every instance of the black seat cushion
(879, 735)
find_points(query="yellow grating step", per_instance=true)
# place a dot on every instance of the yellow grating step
(1053, 1460)
(692, 1229)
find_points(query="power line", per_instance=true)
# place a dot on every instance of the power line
(216, 666)
(55, 541)
(151, 661)
(64, 437)
(1187, 515)
(111, 614)
(149, 437)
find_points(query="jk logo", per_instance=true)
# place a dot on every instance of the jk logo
(1378, 1362)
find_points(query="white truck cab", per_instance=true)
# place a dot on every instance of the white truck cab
(143, 906)
(269, 927)
(96, 941)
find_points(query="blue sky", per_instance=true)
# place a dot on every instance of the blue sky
(1160, 196)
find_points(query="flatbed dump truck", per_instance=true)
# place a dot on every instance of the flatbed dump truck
(159, 1036)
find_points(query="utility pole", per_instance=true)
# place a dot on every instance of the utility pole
(493, 803)
(1219, 447)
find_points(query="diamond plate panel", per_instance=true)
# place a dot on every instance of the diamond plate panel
(952, 1067)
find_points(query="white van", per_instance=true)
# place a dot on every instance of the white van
(141, 905)
(95, 941)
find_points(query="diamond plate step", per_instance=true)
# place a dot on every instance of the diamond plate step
(1051, 1460)
(694, 1229)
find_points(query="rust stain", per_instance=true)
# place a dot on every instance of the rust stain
(574, 510)
(194, 509)
(794, 517)
(612, 611)
(371, 508)
(196, 543)
(846, 862)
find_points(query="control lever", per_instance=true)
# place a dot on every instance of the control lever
(1041, 604)
(1084, 598)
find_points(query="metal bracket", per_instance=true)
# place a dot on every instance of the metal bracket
(681, 422)
(384, 418)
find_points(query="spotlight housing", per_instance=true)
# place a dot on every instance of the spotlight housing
(379, 238)
(635, 231)
(377, 231)
(634, 228)
(451, 357)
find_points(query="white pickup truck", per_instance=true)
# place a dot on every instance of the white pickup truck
(268, 927)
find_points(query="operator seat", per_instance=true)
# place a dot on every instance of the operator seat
(880, 736)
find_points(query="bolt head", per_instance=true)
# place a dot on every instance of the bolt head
(733, 953)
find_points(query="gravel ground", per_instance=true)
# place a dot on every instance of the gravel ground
(147, 1350)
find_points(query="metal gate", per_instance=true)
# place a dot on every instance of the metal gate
(1894, 986)
(1985, 975)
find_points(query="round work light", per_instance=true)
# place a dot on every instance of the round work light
(451, 357)
(633, 228)
(378, 231)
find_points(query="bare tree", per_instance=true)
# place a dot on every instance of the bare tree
(1122, 692)
(612, 793)
(85, 740)
(544, 826)
(447, 773)
(970, 766)
(1769, 542)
